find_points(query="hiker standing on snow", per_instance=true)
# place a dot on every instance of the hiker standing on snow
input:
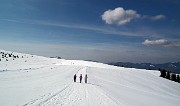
(75, 78)
(85, 78)
(80, 78)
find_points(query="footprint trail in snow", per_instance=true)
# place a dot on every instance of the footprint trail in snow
(80, 94)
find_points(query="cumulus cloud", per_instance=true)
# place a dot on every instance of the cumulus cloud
(158, 17)
(161, 42)
(119, 16)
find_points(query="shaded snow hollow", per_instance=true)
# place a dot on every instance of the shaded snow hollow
(35, 80)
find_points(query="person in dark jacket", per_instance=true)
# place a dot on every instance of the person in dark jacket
(80, 78)
(75, 78)
(85, 78)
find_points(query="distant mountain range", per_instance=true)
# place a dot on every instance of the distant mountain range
(170, 66)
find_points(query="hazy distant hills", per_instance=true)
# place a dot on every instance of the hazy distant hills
(170, 66)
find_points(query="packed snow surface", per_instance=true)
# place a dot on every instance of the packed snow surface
(29, 80)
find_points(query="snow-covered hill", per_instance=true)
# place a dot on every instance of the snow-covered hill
(29, 80)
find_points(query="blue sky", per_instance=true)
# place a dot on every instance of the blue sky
(100, 30)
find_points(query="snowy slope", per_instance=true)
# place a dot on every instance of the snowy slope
(35, 80)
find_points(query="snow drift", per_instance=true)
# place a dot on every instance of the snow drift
(29, 80)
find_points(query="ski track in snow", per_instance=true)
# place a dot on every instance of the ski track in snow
(79, 94)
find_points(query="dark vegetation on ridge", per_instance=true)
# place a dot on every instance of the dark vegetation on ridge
(169, 75)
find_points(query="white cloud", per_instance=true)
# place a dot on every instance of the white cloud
(156, 42)
(158, 17)
(162, 42)
(119, 16)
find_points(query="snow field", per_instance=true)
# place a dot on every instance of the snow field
(40, 81)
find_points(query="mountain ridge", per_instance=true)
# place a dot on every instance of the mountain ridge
(169, 66)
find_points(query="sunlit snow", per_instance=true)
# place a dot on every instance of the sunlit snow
(32, 80)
